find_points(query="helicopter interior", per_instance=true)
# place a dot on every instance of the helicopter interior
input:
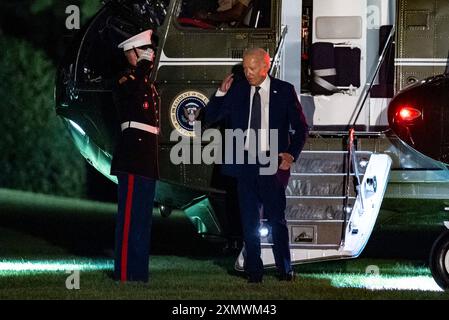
(256, 15)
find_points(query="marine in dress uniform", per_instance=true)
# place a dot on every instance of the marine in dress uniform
(135, 161)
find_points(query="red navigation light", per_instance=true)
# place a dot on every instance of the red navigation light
(408, 114)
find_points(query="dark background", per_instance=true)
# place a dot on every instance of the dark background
(37, 153)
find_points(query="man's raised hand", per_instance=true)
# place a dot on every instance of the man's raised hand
(227, 82)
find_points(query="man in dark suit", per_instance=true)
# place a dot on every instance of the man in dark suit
(261, 103)
(135, 160)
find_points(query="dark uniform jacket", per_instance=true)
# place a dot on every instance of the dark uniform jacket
(136, 99)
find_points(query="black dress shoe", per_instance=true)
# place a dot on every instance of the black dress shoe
(291, 276)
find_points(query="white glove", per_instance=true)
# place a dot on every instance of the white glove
(148, 54)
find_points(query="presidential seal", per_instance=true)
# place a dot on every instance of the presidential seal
(185, 109)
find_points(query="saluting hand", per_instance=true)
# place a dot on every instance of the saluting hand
(227, 82)
(148, 54)
(287, 160)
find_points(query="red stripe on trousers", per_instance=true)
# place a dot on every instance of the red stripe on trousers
(126, 225)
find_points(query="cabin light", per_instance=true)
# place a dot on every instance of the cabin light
(263, 231)
(408, 114)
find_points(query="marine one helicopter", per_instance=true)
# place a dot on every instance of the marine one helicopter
(375, 95)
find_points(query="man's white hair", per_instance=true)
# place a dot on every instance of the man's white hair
(259, 53)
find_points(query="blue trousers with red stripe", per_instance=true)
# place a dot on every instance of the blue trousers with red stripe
(133, 227)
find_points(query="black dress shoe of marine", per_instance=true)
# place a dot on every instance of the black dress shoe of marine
(254, 278)
(291, 276)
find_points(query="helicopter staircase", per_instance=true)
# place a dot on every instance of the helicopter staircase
(333, 199)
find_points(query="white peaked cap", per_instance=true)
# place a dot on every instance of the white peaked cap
(139, 40)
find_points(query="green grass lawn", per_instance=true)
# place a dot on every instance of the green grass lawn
(43, 237)
(174, 277)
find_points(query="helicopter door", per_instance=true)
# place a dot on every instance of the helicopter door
(366, 208)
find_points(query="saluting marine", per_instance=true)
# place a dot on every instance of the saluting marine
(135, 161)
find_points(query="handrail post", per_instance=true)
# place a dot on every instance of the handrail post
(347, 186)
(351, 162)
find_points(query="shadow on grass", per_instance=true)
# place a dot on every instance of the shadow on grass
(402, 242)
(78, 234)
(92, 234)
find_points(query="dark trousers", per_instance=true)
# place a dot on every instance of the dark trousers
(267, 192)
(133, 227)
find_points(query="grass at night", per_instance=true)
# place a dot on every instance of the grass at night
(42, 237)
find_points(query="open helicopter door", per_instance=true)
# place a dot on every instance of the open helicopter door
(331, 211)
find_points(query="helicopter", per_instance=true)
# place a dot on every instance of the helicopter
(371, 92)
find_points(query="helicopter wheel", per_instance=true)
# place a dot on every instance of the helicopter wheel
(439, 261)
(165, 211)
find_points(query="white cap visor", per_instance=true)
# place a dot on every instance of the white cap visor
(139, 40)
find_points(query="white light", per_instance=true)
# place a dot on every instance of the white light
(420, 283)
(8, 267)
(379, 282)
(363, 163)
(263, 231)
(77, 127)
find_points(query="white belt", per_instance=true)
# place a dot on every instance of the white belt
(141, 126)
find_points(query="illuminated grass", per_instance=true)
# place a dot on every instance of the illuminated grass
(379, 282)
(39, 246)
(175, 277)
(33, 267)
(373, 274)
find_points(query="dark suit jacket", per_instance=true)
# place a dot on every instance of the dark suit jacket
(285, 112)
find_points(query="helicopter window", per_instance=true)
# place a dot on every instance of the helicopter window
(99, 60)
(214, 14)
(385, 86)
(335, 67)
(332, 67)
(339, 27)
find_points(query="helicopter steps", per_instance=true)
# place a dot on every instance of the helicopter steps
(316, 198)
(327, 217)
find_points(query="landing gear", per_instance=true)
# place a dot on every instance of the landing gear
(439, 261)
(165, 211)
